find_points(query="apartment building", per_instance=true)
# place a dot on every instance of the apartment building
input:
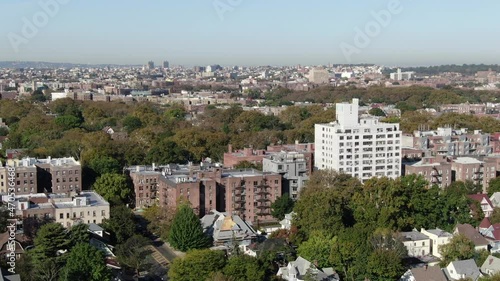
(446, 141)
(363, 148)
(472, 169)
(438, 238)
(250, 193)
(32, 175)
(25, 176)
(245, 192)
(85, 207)
(436, 170)
(292, 166)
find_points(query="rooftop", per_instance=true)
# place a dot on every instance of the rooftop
(467, 160)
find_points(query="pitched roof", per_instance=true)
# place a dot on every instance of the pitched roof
(468, 268)
(495, 231)
(480, 197)
(226, 227)
(485, 223)
(491, 263)
(413, 236)
(430, 273)
(470, 232)
(495, 199)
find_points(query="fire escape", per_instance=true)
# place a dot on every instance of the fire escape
(263, 192)
(436, 176)
(478, 175)
(239, 199)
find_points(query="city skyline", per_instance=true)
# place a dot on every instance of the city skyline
(250, 33)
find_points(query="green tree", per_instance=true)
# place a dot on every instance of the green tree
(385, 265)
(282, 206)
(132, 123)
(186, 232)
(79, 233)
(132, 253)
(244, 268)
(481, 256)
(325, 203)
(67, 122)
(167, 151)
(113, 187)
(318, 248)
(49, 239)
(377, 112)
(197, 265)
(85, 263)
(495, 216)
(459, 248)
(121, 223)
(102, 164)
(493, 186)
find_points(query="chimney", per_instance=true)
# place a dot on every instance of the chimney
(230, 148)
(153, 166)
(425, 267)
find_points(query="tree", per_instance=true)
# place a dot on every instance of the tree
(197, 265)
(493, 186)
(79, 233)
(324, 203)
(495, 216)
(385, 265)
(377, 112)
(186, 232)
(49, 239)
(282, 206)
(219, 276)
(318, 248)
(102, 164)
(131, 123)
(132, 253)
(113, 187)
(244, 268)
(121, 223)
(85, 263)
(459, 248)
(67, 122)
(159, 219)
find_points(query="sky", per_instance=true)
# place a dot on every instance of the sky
(251, 32)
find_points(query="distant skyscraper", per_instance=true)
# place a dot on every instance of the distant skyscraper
(166, 64)
(151, 65)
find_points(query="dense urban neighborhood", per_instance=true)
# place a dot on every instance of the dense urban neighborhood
(303, 173)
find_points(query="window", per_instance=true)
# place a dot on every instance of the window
(61, 216)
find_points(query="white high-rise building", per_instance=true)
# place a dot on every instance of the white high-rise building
(363, 148)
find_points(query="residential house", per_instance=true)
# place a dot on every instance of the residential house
(438, 238)
(418, 244)
(493, 235)
(301, 268)
(286, 223)
(458, 270)
(484, 225)
(491, 265)
(486, 205)
(495, 199)
(426, 273)
(228, 229)
(480, 243)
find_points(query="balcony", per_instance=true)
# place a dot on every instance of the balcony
(263, 199)
(239, 200)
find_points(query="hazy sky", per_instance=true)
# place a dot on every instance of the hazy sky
(251, 32)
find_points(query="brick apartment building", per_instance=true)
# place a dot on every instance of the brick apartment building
(233, 157)
(442, 170)
(246, 192)
(32, 175)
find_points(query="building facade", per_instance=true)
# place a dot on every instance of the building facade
(363, 148)
(292, 166)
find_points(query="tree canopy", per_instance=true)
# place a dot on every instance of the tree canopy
(186, 232)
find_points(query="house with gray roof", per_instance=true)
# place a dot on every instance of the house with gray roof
(491, 265)
(457, 270)
(227, 229)
(301, 268)
(426, 273)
